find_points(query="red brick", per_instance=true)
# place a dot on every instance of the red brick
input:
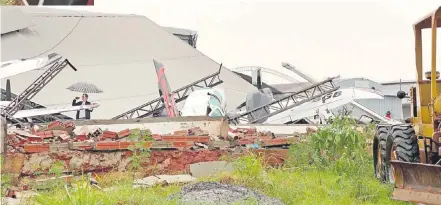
(273, 142)
(57, 133)
(123, 133)
(35, 148)
(118, 145)
(174, 138)
(55, 125)
(80, 138)
(69, 126)
(156, 137)
(45, 134)
(64, 137)
(34, 139)
(180, 132)
(109, 135)
(245, 141)
(182, 144)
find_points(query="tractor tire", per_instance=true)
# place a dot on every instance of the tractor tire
(401, 145)
(379, 152)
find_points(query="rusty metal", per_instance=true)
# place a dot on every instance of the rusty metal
(417, 182)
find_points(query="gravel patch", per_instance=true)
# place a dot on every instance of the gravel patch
(217, 193)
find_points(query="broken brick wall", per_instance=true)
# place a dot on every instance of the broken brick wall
(159, 162)
(163, 161)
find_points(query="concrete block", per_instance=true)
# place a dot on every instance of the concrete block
(205, 169)
(163, 179)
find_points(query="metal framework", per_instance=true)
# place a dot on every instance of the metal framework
(32, 105)
(265, 70)
(190, 39)
(36, 87)
(285, 103)
(157, 105)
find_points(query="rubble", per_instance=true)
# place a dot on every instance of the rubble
(163, 179)
(217, 193)
(32, 153)
(59, 136)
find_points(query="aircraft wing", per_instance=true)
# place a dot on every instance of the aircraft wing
(49, 111)
(334, 100)
(15, 67)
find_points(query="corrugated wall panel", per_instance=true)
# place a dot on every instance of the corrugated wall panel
(392, 104)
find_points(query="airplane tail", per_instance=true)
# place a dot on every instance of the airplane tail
(165, 91)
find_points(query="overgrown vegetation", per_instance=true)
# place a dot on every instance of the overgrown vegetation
(331, 167)
(7, 2)
(140, 154)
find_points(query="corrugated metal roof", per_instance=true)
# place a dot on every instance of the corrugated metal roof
(115, 53)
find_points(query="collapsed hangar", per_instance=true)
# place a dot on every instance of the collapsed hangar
(112, 51)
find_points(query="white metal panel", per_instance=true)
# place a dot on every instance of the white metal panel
(21, 20)
(115, 53)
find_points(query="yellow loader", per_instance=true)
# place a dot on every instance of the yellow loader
(408, 154)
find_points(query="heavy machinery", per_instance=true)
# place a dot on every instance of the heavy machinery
(409, 154)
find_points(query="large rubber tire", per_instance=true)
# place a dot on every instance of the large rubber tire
(404, 143)
(379, 152)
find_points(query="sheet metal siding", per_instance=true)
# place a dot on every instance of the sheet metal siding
(390, 103)
(359, 83)
(406, 111)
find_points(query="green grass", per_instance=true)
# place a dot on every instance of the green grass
(343, 174)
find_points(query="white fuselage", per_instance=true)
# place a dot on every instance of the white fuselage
(199, 101)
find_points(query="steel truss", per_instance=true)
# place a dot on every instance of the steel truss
(285, 103)
(156, 105)
(20, 101)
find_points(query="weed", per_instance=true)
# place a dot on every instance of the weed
(331, 167)
(140, 154)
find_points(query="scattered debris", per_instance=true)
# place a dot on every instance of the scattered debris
(32, 153)
(217, 193)
(163, 179)
(59, 136)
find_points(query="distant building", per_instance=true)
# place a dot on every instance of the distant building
(380, 106)
(394, 87)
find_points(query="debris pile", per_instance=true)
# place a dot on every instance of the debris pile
(250, 138)
(217, 193)
(59, 136)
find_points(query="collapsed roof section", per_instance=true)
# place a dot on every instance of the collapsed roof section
(186, 35)
(113, 51)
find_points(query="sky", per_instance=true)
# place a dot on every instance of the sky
(353, 38)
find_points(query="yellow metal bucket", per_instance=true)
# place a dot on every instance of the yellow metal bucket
(415, 182)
